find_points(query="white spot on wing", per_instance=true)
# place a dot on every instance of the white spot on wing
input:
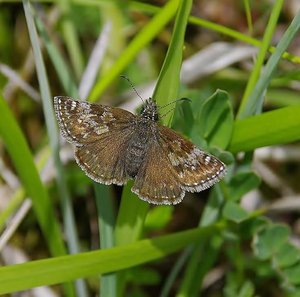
(207, 159)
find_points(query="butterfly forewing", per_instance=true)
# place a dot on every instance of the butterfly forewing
(82, 122)
(196, 170)
(100, 134)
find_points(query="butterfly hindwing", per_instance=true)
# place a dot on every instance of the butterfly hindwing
(103, 160)
(196, 170)
(156, 181)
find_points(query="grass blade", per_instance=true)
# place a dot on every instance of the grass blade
(270, 128)
(67, 268)
(217, 28)
(71, 38)
(165, 91)
(255, 99)
(20, 154)
(66, 205)
(142, 38)
(108, 283)
(61, 67)
(261, 57)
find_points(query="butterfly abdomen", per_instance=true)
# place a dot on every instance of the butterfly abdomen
(134, 158)
(136, 151)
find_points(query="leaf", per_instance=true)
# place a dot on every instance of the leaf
(269, 240)
(129, 228)
(60, 269)
(247, 289)
(287, 255)
(159, 217)
(22, 159)
(234, 212)
(183, 119)
(293, 274)
(295, 293)
(143, 276)
(235, 288)
(272, 127)
(241, 184)
(250, 227)
(215, 122)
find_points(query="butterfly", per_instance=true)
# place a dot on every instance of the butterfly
(113, 145)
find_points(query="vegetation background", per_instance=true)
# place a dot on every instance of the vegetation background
(238, 62)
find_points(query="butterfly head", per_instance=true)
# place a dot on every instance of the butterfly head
(149, 110)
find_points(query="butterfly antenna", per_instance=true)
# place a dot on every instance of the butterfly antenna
(172, 102)
(131, 84)
(167, 112)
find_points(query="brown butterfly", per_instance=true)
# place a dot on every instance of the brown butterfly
(113, 145)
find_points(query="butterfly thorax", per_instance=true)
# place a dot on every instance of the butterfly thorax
(145, 129)
(149, 111)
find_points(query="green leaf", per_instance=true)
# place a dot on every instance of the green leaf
(251, 227)
(165, 91)
(211, 212)
(22, 159)
(270, 240)
(241, 184)
(143, 276)
(234, 212)
(247, 289)
(59, 63)
(53, 135)
(295, 293)
(287, 255)
(129, 225)
(202, 259)
(106, 222)
(183, 119)
(215, 122)
(293, 274)
(60, 269)
(274, 127)
(158, 217)
(131, 217)
(168, 81)
(234, 287)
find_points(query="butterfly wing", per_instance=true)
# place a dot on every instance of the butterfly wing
(103, 159)
(196, 170)
(82, 122)
(100, 134)
(156, 181)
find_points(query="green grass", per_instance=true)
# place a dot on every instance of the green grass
(22, 158)
(57, 270)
